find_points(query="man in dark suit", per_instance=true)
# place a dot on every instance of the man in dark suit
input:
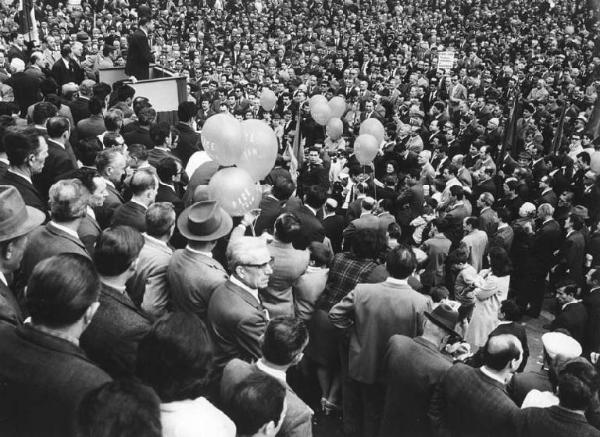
(333, 224)
(27, 152)
(26, 88)
(67, 69)
(236, 317)
(271, 205)
(13, 239)
(61, 158)
(93, 125)
(67, 207)
(572, 313)
(311, 226)
(409, 204)
(592, 304)
(112, 338)
(188, 139)
(485, 184)
(547, 193)
(80, 107)
(410, 383)
(470, 401)
(142, 185)
(111, 165)
(140, 132)
(284, 340)
(375, 312)
(312, 173)
(546, 240)
(169, 173)
(570, 259)
(576, 390)
(139, 54)
(44, 373)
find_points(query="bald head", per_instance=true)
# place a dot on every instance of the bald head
(503, 352)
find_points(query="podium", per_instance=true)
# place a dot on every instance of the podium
(165, 89)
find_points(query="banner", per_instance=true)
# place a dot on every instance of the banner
(445, 61)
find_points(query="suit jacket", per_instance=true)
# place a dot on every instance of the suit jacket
(112, 202)
(554, 421)
(298, 417)
(90, 127)
(192, 278)
(42, 377)
(30, 194)
(130, 214)
(572, 256)
(237, 321)
(574, 319)
(270, 209)
(375, 312)
(63, 74)
(80, 108)
(89, 232)
(289, 265)
(547, 239)
(112, 338)
(410, 204)
(549, 197)
(469, 403)
(505, 236)
(592, 335)
(139, 56)
(47, 241)
(189, 142)
(311, 227)
(10, 311)
(26, 90)
(333, 226)
(410, 385)
(60, 160)
(139, 135)
(149, 287)
(167, 194)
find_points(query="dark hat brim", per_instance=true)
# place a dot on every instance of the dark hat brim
(35, 218)
(223, 229)
(441, 324)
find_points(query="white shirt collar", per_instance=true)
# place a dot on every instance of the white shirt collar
(569, 303)
(489, 374)
(155, 240)
(396, 281)
(21, 175)
(71, 232)
(172, 187)
(208, 254)
(277, 374)
(314, 211)
(139, 203)
(240, 284)
(3, 279)
(109, 182)
(4, 160)
(91, 212)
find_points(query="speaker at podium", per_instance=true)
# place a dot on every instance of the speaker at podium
(165, 89)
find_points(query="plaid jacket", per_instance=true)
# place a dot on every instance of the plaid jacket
(346, 271)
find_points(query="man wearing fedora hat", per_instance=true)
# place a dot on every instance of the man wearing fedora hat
(193, 274)
(17, 220)
(410, 383)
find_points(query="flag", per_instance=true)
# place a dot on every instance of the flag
(593, 126)
(556, 142)
(27, 22)
(509, 142)
(297, 152)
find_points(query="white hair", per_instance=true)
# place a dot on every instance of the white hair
(243, 250)
(17, 65)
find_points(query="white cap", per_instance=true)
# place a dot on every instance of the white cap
(557, 343)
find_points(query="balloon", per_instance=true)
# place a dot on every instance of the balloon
(268, 99)
(366, 148)
(338, 106)
(595, 162)
(317, 98)
(374, 127)
(334, 128)
(236, 191)
(222, 138)
(321, 113)
(259, 149)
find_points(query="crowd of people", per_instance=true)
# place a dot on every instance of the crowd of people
(386, 298)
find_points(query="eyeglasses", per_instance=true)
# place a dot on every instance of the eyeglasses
(269, 263)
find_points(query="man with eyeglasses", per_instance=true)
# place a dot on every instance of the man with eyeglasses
(236, 316)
